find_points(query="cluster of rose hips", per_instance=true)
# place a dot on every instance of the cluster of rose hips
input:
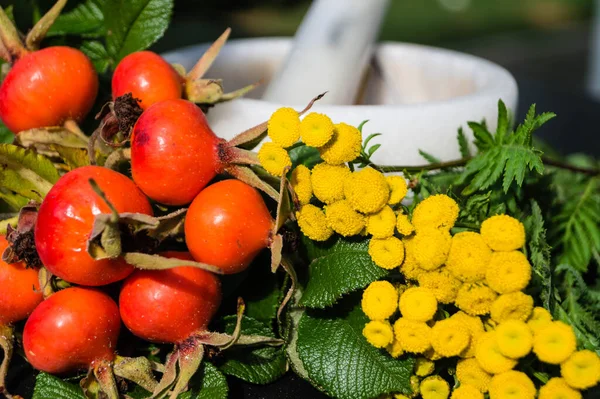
(174, 158)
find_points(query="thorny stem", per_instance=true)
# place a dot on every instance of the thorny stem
(463, 161)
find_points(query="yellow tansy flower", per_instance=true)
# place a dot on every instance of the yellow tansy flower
(442, 283)
(418, 304)
(557, 388)
(581, 370)
(387, 253)
(436, 211)
(516, 305)
(468, 371)
(432, 355)
(539, 318)
(283, 127)
(378, 333)
(398, 189)
(343, 147)
(431, 247)
(301, 184)
(503, 233)
(465, 391)
(410, 268)
(508, 272)
(414, 385)
(514, 339)
(343, 219)
(316, 129)
(449, 337)
(555, 342)
(512, 385)
(313, 223)
(475, 327)
(423, 367)
(381, 224)
(475, 299)
(488, 354)
(328, 182)
(403, 225)
(366, 190)
(434, 387)
(274, 158)
(413, 336)
(469, 257)
(379, 300)
(395, 349)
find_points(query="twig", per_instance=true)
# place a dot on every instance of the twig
(572, 168)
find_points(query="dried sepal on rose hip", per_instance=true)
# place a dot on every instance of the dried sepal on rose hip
(61, 81)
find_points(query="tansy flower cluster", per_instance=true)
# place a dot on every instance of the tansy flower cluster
(332, 198)
(490, 325)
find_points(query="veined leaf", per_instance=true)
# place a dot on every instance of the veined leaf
(208, 383)
(134, 25)
(338, 266)
(257, 365)
(539, 253)
(304, 155)
(86, 19)
(341, 362)
(26, 172)
(73, 157)
(50, 387)
(463, 144)
(97, 53)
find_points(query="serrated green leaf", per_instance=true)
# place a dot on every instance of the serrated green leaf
(6, 136)
(463, 144)
(483, 138)
(134, 25)
(342, 363)
(73, 157)
(86, 18)
(209, 383)
(304, 155)
(539, 253)
(25, 172)
(49, 387)
(520, 160)
(428, 157)
(257, 365)
(337, 267)
(97, 53)
(503, 122)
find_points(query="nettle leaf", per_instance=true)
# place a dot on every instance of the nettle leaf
(25, 172)
(304, 155)
(50, 387)
(328, 343)
(338, 266)
(539, 253)
(257, 365)
(135, 25)
(85, 19)
(97, 53)
(208, 383)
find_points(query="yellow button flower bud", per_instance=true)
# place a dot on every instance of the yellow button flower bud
(313, 223)
(328, 182)
(398, 189)
(503, 233)
(343, 147)
(301, 184)
(367, 190)
(343, 219)
(387, 253)
(379, 300)
(274, 158)
(283, 127)
(436, 211)
(381, 224)
(316, 129)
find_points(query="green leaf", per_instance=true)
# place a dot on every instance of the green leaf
(342, 363)
(463, 144)
(304, 155)
(428, 157)
(73, 157)
(539, 253)
(86, 19)
(338, 266)
(13, 200)
(134, 25)
(503, 122)
(50, 387)
(483, 138)
(262, 295)
(257, 365)
(97, 53)
(6, 136)
(25, 172)
(209, 383)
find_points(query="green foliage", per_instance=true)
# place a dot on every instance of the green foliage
(257, 365)
(301, 154)
(97, 53)
(539, 254)
(463, 144)
(428, 157)
(208, 383)
(506, 155)
(134, 25)
(338, 266)
(341, 362)
(6, 136)
(86, 19)
(50, 387)
(366, 152)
